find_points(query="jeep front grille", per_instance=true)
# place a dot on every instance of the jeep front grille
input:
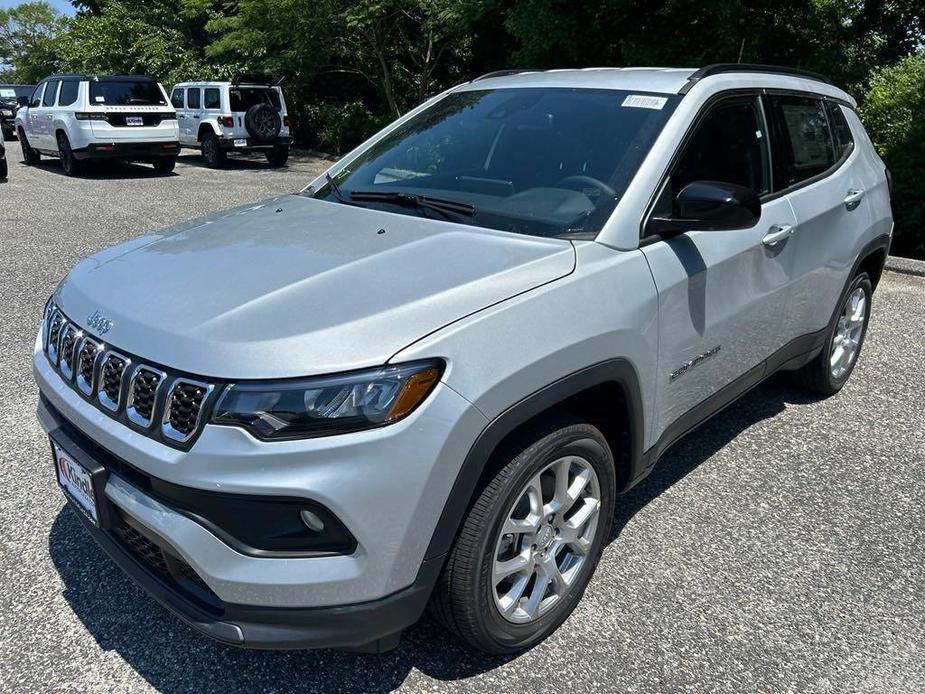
(126, 388)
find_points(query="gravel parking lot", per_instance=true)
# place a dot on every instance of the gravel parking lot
(777, 549)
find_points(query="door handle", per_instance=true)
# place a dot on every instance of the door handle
(777, 233)
(853, 199)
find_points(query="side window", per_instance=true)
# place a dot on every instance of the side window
(212, 98)
(730, 145)
(841, 132)
(176, 98)
(68, 93)
(193, 98)
(36, 99)
(804, 145)
(51, 91)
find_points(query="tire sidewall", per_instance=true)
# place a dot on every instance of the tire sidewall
(68, 162)
(509, 636)
(862, 281)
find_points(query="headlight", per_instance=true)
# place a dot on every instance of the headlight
(326, 405)
(6, 112)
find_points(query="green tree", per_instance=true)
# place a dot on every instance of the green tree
(894, 114)
(28, 46)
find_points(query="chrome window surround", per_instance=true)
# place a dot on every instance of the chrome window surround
(122, 409)
(166, 428)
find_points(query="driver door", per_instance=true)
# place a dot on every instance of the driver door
(722, 294)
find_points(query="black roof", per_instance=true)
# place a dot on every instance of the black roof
(105, 78)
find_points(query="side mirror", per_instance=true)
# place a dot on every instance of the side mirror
(22, 100)
(709, 206)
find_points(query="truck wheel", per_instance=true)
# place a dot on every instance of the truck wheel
(828, 372)
(30, 156)
(278, 156)
(68, 162)
(531, 541)
(164, 165)
(212, 154)
(7, 133)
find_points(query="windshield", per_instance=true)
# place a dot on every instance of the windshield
(538, 161)
(124, 93)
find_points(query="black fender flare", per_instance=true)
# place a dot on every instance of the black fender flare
(616, 371)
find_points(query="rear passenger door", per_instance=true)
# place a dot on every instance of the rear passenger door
(193, 113)
(815, 170)
(721, 294)
(178, 101)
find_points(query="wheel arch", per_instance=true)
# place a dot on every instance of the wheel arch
(606, 395)
(872, 260)
(203, 127)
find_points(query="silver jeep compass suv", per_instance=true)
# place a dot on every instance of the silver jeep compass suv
(426, 378)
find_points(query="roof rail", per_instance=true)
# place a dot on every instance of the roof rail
(722, 68)
(503, 73)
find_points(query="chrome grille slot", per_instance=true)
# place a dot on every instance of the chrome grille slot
(69, 337)
(110, 386)
(86, 365)
(184, 408)
(53, 334)
(142, 395)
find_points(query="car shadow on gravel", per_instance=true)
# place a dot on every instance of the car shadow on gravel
(171, 657)
(104, 170)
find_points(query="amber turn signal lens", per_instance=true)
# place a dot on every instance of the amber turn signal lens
(415, 389)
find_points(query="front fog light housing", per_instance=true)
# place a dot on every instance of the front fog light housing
(327, 405)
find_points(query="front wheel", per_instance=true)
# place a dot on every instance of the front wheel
(278, 156)
(828, 372)
(531, 541)
(30, 156)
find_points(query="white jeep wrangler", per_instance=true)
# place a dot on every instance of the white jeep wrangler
(244, 115)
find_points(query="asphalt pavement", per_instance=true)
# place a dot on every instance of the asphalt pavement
(779, 548)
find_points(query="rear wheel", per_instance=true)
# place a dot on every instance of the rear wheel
(164, 165)
(212, 154)
(278, 156)
(7, 133)
(68, 162)
(828, 372)
(29, 156)
(531, 541)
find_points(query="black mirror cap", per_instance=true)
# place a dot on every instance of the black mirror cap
(717, 206)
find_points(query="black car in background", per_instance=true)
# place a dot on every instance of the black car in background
(12, 96)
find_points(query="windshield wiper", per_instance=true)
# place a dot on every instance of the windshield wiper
(338, 193)
(440, 205)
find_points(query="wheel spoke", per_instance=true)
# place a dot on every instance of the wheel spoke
(521, 563)
(535, 495)
(521, 526)
(532, 605)
(510, 600)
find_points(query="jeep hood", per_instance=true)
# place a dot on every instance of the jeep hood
(295, 286)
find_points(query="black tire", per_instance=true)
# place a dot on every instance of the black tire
(68, 162)
(464, 599)
(263, 122)
(278, 156)
(7, 133)
(817, 375)
(4, 169)
(30, 156)
(212, 154)
(164, 165)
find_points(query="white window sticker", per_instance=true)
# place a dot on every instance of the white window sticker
(643, 101)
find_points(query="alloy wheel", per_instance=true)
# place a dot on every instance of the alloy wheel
(545, 539)
(848, 333)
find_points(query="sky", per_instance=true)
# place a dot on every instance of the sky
(62, 6)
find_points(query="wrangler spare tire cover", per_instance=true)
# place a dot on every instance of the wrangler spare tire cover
(262, 122)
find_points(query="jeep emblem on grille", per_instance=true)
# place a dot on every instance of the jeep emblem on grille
(100, 323)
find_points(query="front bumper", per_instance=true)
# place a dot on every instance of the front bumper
(387, 486)
(143, 151)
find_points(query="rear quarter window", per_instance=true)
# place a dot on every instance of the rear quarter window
(243, 98)
(68, 94)
(804, 141)
(50, 92)
(841, 132)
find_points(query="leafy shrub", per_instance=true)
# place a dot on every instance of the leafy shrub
(894, 114)
(339, 127)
